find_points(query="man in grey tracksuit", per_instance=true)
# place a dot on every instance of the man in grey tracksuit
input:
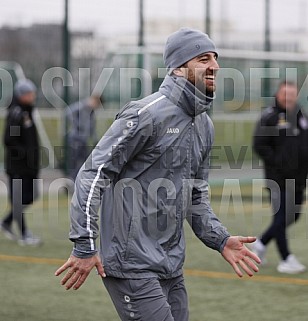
(149, 173)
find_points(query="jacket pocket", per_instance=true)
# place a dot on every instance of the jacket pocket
(132, 234)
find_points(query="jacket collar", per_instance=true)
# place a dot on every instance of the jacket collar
(283, 110)
(185, 95)
(25, 107)
(293, 116)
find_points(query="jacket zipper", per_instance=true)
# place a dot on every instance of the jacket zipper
(189, 171)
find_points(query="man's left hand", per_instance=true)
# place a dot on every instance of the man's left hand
(239, 256)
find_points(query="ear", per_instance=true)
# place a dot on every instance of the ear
(180, 72)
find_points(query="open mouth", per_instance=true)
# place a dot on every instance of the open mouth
(210, 78)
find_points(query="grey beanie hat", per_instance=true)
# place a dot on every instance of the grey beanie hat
(23, 86)
(184, 45)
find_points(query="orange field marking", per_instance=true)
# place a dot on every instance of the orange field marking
(255, 278)
(188, 272)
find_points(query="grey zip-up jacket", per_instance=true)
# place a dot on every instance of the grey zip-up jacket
(149, 173)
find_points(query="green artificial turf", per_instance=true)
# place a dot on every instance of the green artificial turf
(30, 292)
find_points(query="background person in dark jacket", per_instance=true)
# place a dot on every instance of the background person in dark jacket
(149, 173)
(281, 141)
(21, 160)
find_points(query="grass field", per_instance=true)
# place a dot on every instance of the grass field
(30, 292)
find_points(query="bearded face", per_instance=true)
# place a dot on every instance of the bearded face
(201, 72)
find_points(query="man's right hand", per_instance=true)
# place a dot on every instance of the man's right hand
(78, 270)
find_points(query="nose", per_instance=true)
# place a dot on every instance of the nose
(214, 65)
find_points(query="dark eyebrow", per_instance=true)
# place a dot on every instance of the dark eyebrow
(207, 54)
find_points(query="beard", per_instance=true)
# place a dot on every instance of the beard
(207, 87)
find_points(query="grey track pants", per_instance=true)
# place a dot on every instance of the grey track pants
(149, 299)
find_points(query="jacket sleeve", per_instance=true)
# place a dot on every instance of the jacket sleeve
(124, 139)
(13, 126)
(17, 135)
(93, 132)
(263, 141)
(201, 217)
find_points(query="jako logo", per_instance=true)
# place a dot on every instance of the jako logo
(172, 130)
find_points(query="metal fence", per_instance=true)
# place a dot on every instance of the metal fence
(127, 72)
